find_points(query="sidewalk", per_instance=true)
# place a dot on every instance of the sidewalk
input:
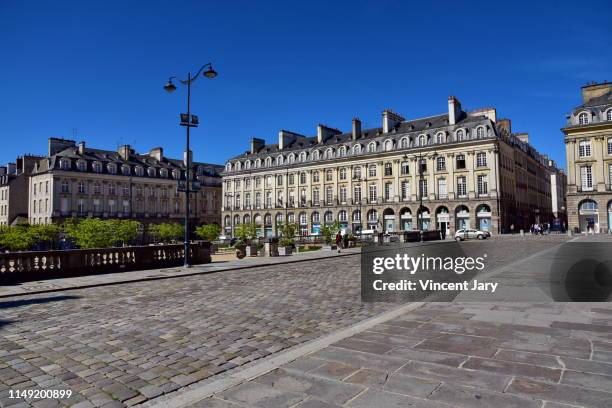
(52, 285)
(448, 355)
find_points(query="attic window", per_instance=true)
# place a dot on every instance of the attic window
(427, 124)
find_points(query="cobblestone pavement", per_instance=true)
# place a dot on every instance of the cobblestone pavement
(121, 345)
(451, 355)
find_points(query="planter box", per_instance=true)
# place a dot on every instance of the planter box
(333, 247)
(284, 251)
(251, 250)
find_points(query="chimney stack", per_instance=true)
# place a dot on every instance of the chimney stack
(390, 120)
(157, 153)
(356, 128)
(325, 132)
(81, 148)
(285, 139)
(257, 145)
(124, 151)
(56, 145)
(454, 110)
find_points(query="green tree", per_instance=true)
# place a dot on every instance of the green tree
(330, 229)
(167, 232)
(16, 238)
(246, 231)
(91, 233)
(208, 232)
(44, 232)
(124, 231)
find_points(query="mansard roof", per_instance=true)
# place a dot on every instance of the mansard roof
(135, 159)
(431, 124)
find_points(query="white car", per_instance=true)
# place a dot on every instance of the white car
(463, 234)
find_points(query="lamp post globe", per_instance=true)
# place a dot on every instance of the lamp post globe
(210, 73)
(169, 87)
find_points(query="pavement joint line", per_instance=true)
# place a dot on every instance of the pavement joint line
(206, 388)
(154, 278)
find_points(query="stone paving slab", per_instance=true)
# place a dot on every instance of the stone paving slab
(120, 345)
(391, 374)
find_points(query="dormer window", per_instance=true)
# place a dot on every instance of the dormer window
(356, 149)
(422, 140)
(176, 174)
(228, 167)
(200, 171)
(268, 161)
(125, 170)
(303, 156)
(81, 165)
(372, 147)
(315, 155)
(111, 168)
(583, 118)
(388, 145)
(238, 166)
(404, 143)
(440, 138)
(257, 163)
(139, 171)
(279, 161)
(65, 164)
(97, 167)
(480, 133)
(163, 173)
(609, 115)
(151, 171)
(460, 135)
(247, 164)
(342, 151)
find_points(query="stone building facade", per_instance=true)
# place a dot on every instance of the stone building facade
(588, 146)
(469, 168)
(14, 189)
(78, 181)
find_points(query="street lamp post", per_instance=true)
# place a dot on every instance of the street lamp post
(188, 120)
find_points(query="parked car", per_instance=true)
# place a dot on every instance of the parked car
(464, 234)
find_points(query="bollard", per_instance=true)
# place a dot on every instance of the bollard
(522, 233)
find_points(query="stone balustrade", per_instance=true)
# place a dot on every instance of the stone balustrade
(44, 264)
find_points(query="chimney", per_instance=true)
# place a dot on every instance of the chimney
(124, 151)
(324, 133)
(356, 128)
(56, 145)
(505, 124)
(593, 90)
(285, 139)
(257, 145)
(454, 110)
(157, 153)
(523, 137)
(190, 158)
(390, 120)
(81, 148)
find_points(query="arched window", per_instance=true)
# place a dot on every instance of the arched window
(65, 164)
(303, 156)
(238, 166)
(268, 161)
(125, 170)
(588, 205)
(257, 163)
(372, 215)
(388, 145)
(609, 115)
(291, 158)
(316, 218)
(460, 135)
(404, 143)
(480, 133)
(329, 153)
(328, 217)
(139, 171)
(279, 160)
(356, 149)
(97, 167)
(357, 215)
(342, 151)
(247, 164)
(151, 171)
(303, 218)
(342, 216)
(228, 167)
(315, 155)
(422, 140)
(81, 165)
(372, 147)
(583, 118)
(440, 138)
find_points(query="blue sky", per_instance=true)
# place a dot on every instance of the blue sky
(99, 67)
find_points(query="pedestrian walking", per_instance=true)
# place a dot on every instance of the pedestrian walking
(338, 240)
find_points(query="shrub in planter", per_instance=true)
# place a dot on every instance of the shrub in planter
(285, 246)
